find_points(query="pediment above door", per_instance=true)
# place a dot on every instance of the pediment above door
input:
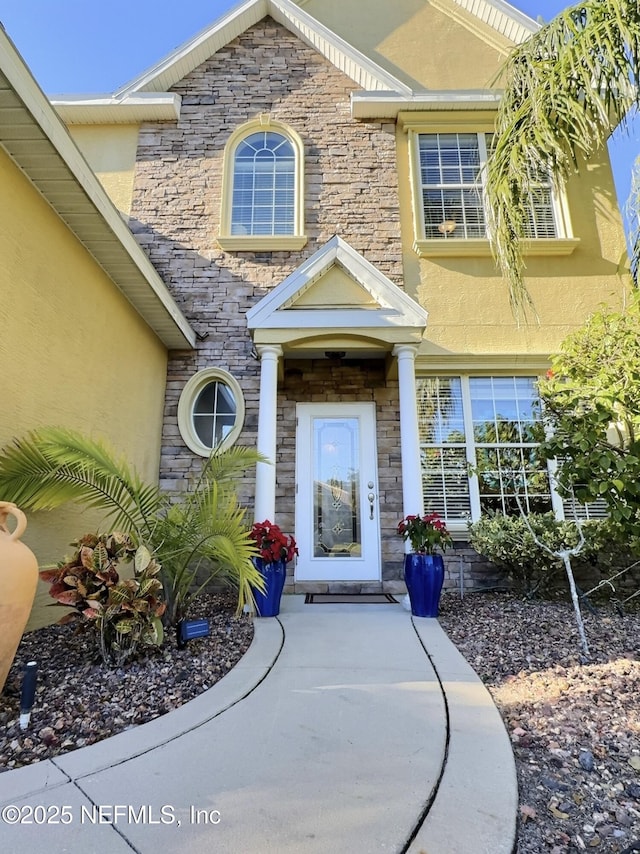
(336, 297)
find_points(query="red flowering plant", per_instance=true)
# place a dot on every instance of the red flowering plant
(272, 544)
(425, 533)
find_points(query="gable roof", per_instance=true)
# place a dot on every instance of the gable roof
(191, 54)
(502, 17)
(37, 141)
(382, 95)
(371, 302)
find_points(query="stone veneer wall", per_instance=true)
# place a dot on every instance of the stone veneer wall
(351, 189)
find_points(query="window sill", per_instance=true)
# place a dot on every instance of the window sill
(267, 243)
(480, 247)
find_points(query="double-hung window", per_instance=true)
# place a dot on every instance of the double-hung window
(449, 201)
(263, 193)
(452, 183)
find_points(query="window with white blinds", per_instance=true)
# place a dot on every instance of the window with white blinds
(478, 443)
(452, 186)
(591, 510)
(264, 178)
(443, 448)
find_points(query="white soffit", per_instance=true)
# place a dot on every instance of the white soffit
(182, 61)
(387, 105)
(106, 109)
(395, 309)
(504, 18)
(39, 144)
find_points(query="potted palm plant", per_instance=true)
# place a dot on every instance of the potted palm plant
(423, 565)
(275, 549)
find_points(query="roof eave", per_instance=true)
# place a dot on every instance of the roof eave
(502, 17)
(107, 109)
(387, 105)
(79, 200)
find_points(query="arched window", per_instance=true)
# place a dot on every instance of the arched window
(210, 411)
(263, 192)
(264, 177)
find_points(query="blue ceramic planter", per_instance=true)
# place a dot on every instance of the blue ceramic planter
(274, 574)
(424, 575)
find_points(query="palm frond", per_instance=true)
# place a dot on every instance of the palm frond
(228, 465)
(565, 90)
(52, 466)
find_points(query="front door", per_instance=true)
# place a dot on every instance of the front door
(337, 509)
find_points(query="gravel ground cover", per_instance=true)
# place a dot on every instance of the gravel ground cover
(574, 724)
(80, 701)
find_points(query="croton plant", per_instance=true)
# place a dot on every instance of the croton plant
(125, 612)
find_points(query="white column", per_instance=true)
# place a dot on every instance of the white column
(409, 439)
(265, 501)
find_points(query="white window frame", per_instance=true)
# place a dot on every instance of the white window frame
(259, 242)
(563, 244)
(187, 402)
(458, 525)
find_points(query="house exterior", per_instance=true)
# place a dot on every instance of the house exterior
(306, 179)
(86, 323)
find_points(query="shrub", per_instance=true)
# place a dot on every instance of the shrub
(202, 530)
(125, 612)
(507, 543)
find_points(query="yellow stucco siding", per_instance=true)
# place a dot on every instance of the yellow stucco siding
(467, 300)
(73, 350)
(110, 150)
(411, 39)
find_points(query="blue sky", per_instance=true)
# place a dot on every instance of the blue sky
(82, 46)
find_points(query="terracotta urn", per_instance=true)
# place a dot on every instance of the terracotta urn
(18, 582)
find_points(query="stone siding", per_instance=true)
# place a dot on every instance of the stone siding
(351, 189)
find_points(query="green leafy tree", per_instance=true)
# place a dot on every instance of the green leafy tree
(591, 399)
(566, 88)
(202, 535)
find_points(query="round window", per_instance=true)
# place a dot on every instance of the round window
(211, 411)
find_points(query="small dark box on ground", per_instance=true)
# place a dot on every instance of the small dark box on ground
(191, 629)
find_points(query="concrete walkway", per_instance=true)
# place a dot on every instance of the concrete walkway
(345, 728)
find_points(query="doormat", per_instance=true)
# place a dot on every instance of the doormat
(349, 599)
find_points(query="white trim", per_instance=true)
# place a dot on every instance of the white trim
(502, 17)
(174, 67)
(107, 109)
(187, 401)
(397, 309)
(387, 105)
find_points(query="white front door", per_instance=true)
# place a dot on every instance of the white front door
(337, 509)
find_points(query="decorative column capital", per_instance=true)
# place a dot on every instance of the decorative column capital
(406, 351)
(269, 351)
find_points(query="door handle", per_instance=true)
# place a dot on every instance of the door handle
(371, 498)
